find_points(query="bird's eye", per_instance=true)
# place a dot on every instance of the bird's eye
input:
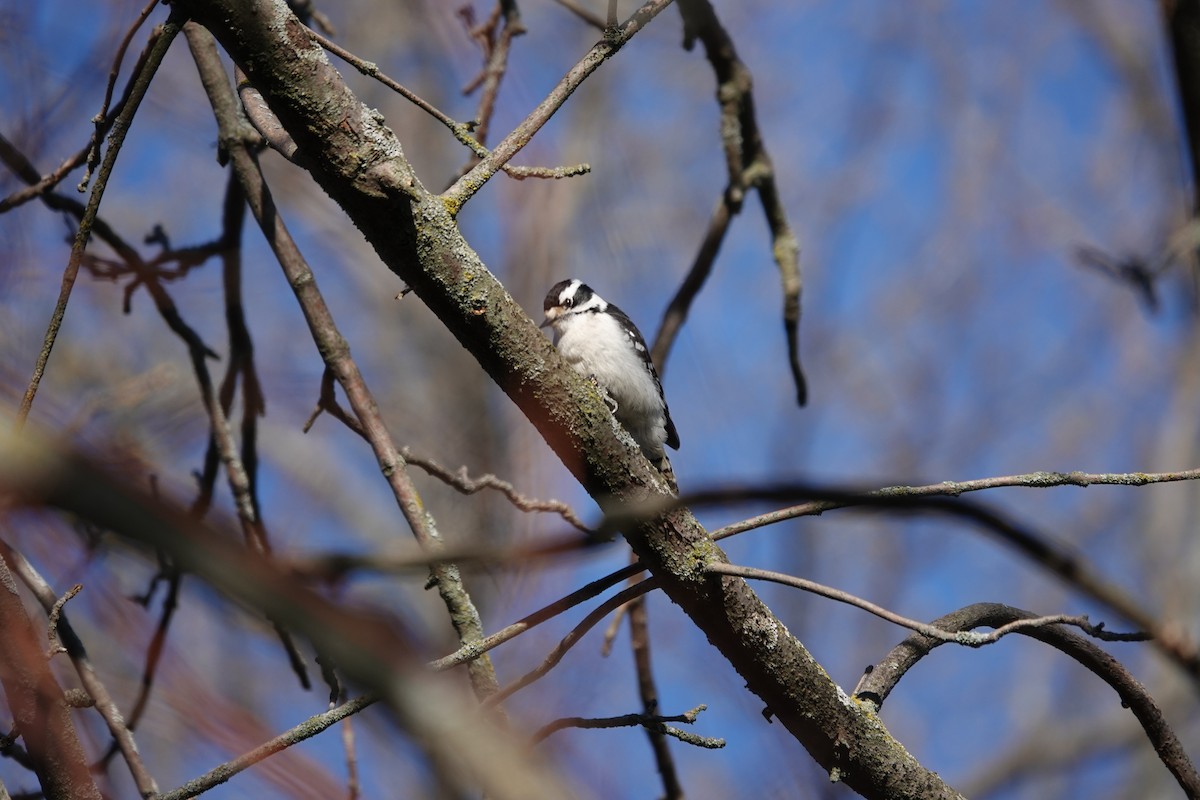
(568, 302)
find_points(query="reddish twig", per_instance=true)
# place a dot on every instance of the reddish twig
(122, 732)
(35, 701)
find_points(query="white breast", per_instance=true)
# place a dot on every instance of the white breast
(596, 345)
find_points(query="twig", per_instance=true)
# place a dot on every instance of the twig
(569, 641)
(327, 401)
(466, 186)
(657, 732)
(101, 118)
(595, 20)
(305, 730)
(1033, 480)
(55, 615)
(157, 643)
(647, 721)
(275, 134)
(242, 468)
(965, 638)
(677, 310)
(748, 165)
(121, 732)
(465, 484)
(474, 650)
(264, 121)
(117, 137)
(352, 785)
(496, 46)
(614, 627)
(878, 682)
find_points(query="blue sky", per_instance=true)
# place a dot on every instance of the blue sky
(939, 161)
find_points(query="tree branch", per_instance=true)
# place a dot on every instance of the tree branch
(40, 714)
(304, 730)
(878, 682)
(965, 638)
(121, 733)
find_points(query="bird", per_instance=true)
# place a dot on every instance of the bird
(601, 342)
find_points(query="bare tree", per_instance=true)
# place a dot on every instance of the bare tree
(201, 547)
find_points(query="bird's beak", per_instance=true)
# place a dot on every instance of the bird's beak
(551, 315)
(546, 323)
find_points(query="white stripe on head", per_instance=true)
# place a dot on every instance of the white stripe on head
(569, 290)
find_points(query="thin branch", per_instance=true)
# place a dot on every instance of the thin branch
(591, 18)
(101, 118)
(496, 49)
(677, 310)
(569, 641)
(264, 121)
(305, 730)
(748, 165)
(267, 125)
(55, 616)
(878, 682)
(656, 732)
(465, 484)
(474, 650)
(158, 642)
(353, 789)
(327, 402)
(466, 186)
(965, 638)
(120, 127)
(648, 721)
(1032, 480)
